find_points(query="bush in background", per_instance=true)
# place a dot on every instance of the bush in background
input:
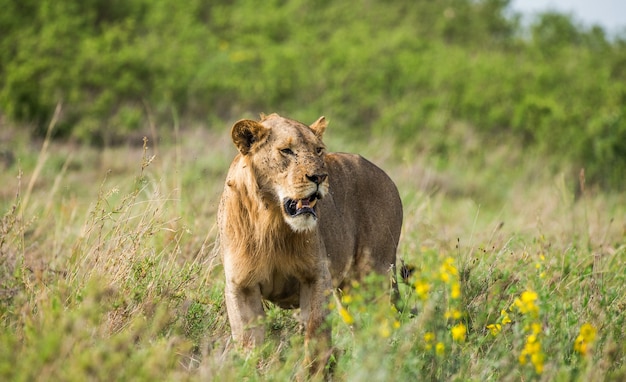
(411, 69)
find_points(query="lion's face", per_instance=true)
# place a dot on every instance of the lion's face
(287, 158)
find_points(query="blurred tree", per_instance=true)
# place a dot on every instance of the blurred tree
(377, 66)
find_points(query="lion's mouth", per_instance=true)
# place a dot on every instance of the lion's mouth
(297, 207)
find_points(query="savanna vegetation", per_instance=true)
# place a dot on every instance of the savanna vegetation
(507, 142)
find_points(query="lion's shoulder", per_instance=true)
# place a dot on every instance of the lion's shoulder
(356, 184)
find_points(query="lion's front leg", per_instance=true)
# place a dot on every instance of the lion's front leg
(314, 297)
(245, 311)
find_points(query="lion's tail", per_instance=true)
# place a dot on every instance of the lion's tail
(406, 271)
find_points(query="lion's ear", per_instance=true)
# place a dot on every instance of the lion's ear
(246, 133)
(319, 126)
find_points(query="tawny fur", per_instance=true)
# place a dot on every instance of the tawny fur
(295, 260)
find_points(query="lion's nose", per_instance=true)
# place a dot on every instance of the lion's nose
(317, 178)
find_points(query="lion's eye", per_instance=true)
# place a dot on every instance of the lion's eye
(319, 150)
(287, 151)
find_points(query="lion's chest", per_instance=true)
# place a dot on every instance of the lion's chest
(282, 272)
(282, 290)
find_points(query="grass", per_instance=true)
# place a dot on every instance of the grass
(108, 270)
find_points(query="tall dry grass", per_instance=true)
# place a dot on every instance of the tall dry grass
(107, 271)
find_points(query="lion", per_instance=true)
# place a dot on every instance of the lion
(296, 222)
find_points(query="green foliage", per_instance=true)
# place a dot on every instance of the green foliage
(410, 69)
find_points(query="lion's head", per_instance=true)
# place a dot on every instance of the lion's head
(287, 161)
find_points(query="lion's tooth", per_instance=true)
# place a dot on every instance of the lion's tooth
(299, 205)
(313, 203)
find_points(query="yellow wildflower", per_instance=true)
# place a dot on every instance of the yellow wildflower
(429, 337)
(529, 297)
(458, 332)
(448, 269)
(346, 316)
(588, 332)
(445, 277)
(449, 266)
(456, 291)
(346, 299)
(440, 348)
(537, 361)
(580, 346)
(422, 288)
(452, 314)
(535, 327)
(505, 317)
(540, 267)
(495, 329)
(532, 352)
(526, 303)
(585, 339)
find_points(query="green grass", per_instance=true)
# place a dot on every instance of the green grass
(108, 270)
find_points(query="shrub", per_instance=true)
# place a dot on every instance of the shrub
(403, 68)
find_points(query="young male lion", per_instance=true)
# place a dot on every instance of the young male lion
(295, 222)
